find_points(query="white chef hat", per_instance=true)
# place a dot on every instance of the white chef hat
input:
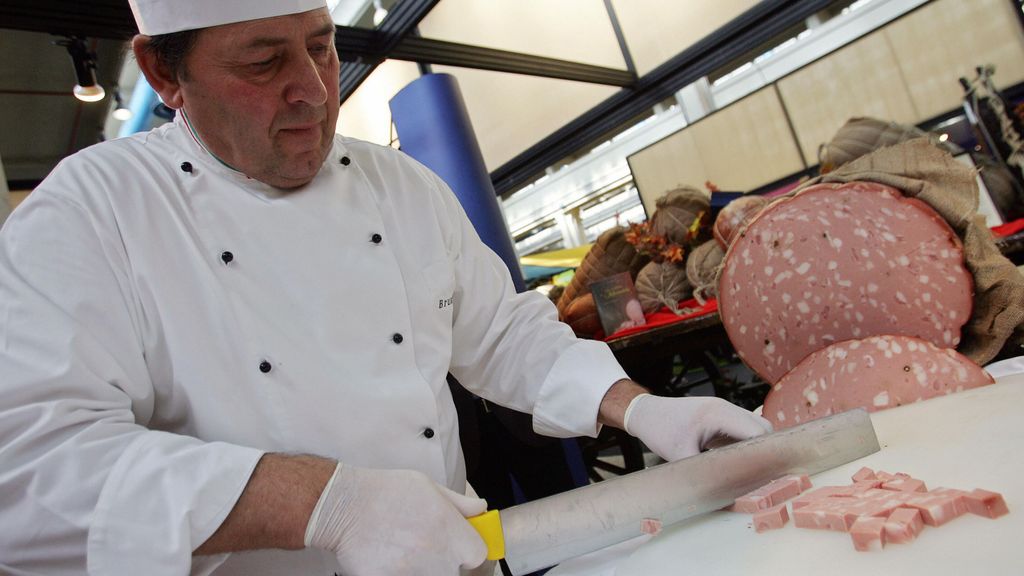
(165, 16)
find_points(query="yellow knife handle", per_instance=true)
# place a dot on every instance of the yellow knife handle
(488, 525)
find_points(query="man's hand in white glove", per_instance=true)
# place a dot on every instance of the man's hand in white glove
(395, 522)
(675, 428)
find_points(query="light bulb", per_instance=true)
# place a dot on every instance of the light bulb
(122, 114)
(378, 15)
(93, 93)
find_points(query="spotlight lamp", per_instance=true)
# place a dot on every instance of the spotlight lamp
(121, 112)
(87, 89)
(379, 12)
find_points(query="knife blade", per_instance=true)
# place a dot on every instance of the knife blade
(544, 532)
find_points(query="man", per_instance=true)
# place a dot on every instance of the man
(186, 312)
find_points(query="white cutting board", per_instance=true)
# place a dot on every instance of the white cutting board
(974, 439)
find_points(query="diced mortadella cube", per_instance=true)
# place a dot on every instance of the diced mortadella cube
(771, 519)
(903, 525)
(985, 503)
(650, 526)
(750, 504)
(864, 473)
(785, 488)
(805, 482)
(864, 485)
(822, 514)
(771, 494)
(959, 498)
(884, 476)
(905, 485)
(938, 507)
(818, 494)
(868, 534)
(884, 502)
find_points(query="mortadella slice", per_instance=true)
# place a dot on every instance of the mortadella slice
(837, 262)
(875, 373)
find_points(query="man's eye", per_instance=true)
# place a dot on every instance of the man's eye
(262, 64)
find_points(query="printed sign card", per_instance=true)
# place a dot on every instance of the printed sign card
(617, 303)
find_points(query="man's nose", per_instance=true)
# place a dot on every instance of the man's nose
(305, 84)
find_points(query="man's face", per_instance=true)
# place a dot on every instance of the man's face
(263, 95)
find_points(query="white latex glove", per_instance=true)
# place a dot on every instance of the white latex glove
(395, 522)
(675, 428)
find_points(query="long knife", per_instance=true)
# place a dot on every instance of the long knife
(544, 532)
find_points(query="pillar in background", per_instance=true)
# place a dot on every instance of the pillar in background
(143, 100)
(433, 127)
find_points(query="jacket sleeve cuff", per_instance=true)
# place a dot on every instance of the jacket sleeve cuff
(571, 394)
(164, 497)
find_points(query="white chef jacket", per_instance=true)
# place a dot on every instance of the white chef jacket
(165, 320)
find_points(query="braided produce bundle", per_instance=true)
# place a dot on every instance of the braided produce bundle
(662, 284)
(702, 270)
(676, 212)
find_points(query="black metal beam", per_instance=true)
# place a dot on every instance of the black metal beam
(750, 29)
(426, 50)
(400, 22)
(110, 19)
(359, 45)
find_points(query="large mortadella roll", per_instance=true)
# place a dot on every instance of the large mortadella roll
(874, 373)
(839, 262)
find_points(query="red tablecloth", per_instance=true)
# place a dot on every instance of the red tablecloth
(1008, 228)
(666, 316)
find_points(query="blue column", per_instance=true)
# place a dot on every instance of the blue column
(434, 128)
(141, 105)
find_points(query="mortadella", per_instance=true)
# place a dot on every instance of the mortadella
(874, 373)
(839, 262)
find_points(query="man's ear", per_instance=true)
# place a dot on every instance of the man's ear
(167, 85)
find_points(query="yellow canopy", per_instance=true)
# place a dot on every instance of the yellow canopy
(567, 258)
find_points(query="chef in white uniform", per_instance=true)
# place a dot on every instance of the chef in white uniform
(223, 343)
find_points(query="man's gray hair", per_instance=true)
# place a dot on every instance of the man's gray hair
(172, 49)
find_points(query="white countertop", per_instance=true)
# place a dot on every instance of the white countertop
(974, 439)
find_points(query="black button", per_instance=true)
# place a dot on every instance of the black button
(376, 238)
(397, 338)
(186, 167)
(345, 161)
(265, 367)
(227, 257)
(428, 433)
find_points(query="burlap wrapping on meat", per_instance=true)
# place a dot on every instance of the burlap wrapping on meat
(611, 254)
(676, 211)
(860, 136)
(922, 171)
(662, 284)
(702, 266)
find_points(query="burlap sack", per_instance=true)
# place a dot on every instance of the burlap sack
(921, 170)
(859, 136)
(702, 268)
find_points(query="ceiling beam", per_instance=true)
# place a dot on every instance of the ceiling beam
(400, 23)
(358, 45)
(108, 19)
(428, 51)
(747, 31)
